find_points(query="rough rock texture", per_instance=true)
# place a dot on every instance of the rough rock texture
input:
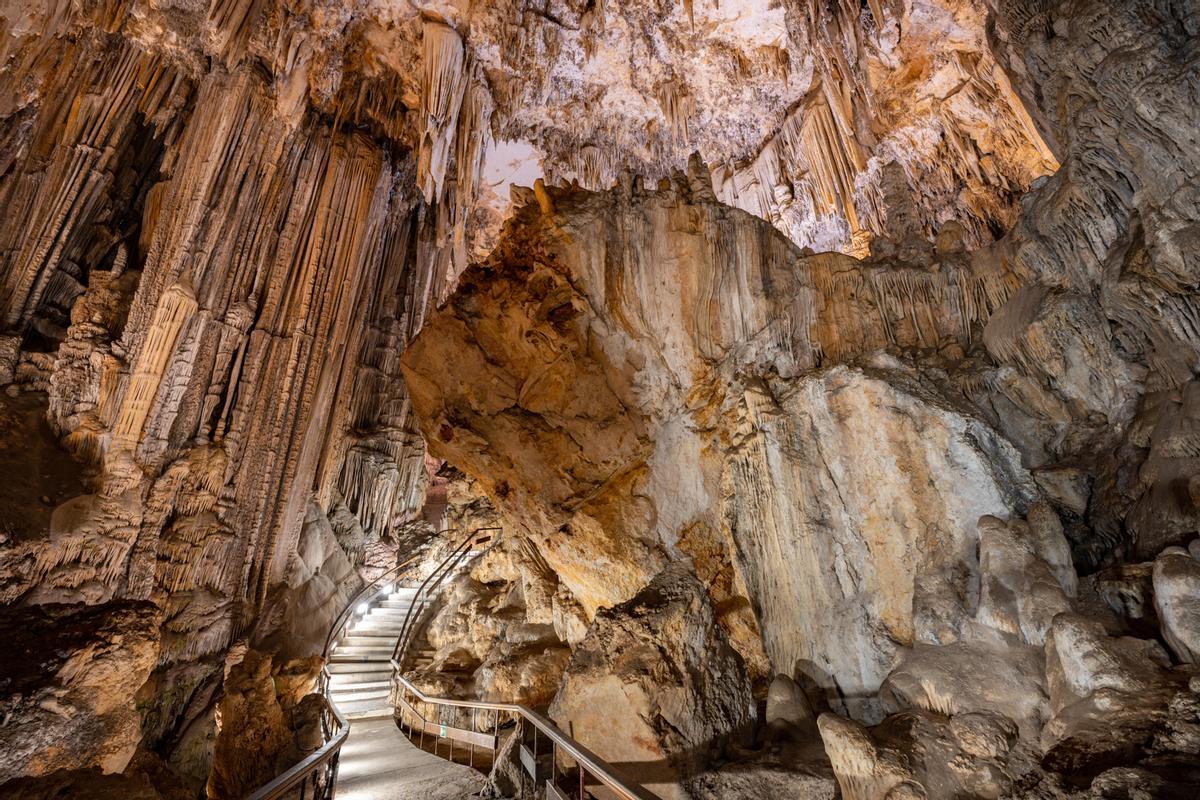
(83, 783)
(889, 472)
(265, 722)
(1028, 691)
(225, 222)
(68, 676)
(211, 281)
(684, 339)
(496, 633)
(831, 546)
(655, 687)
(1105, 240)
(1177, 601)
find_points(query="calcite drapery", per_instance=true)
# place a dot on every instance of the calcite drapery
(206, 372)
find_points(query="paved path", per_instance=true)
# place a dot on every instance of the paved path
(379, 763)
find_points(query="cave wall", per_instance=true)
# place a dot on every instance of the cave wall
(226, 221)
(1108, 241)
(667, 358)
(211, 287)
(837, 445)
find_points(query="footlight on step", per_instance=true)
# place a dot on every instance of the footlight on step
(362, 608)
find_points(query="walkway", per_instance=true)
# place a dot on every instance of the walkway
(378, 762)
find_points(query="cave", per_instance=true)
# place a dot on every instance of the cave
(600, 399)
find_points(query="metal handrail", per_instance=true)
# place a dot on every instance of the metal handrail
(325, 756)
(587, 760)
(425, 590)
(347, 612)
(604, 772)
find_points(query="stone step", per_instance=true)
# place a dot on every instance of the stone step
(365, 709)
(381, 624)
(386, 615)
(368, 639)
(378, 625)
(381, 617)
(342, 695)
(379, 670)
(380, 713)
(359, 680)
(358, 683)
(382, 659)
(390, 613)
(401, 603)
(375, 633)
(383, 650)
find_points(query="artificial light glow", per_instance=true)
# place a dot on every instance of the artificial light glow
(388, 589)
(362, 608)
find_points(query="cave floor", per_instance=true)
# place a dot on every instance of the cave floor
(378, 762)
(36, 474)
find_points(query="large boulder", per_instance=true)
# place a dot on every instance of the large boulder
(655, 686)
(1177, 599)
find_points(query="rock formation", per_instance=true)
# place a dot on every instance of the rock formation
(70, 675)
(833, 380)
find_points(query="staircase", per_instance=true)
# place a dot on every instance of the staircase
(372, 758)
(360, 668)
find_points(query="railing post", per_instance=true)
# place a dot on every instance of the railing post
(520, 733)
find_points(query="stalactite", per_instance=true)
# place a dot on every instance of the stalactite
(677, 106)
(809, 161)
(471, 141)
(443, 83)
(79, 141)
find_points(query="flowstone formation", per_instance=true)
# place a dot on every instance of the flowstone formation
(833, 381)
(930, 486)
